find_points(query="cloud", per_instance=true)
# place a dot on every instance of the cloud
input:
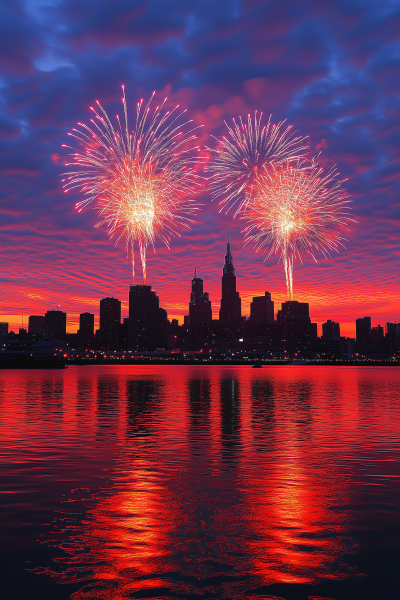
(323, 144)
(330, 68)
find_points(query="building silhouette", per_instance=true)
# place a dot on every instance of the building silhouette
(262, 309)
(147, 321)
(200, 313)
(392, 337)
(123, 335)
(377, 334)
(295, 321)
(363, 330)
(174, 327)
(110, 319)
(86, 330)
(292, 334)
(55, 322)
(3, 330)
(330, 330)
(231, 306)
(36, 325)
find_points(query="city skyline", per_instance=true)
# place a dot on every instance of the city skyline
(332, 72)
(228, 269)
(199, 308)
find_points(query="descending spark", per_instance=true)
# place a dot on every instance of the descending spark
(141, 182)
(238, 161)
(297, 209)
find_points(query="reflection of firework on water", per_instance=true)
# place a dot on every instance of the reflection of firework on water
(238, 161)
(142, 182)
(296, 210)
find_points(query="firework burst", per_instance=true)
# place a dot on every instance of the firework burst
(141, 182)
(248, 153)
(295, 210)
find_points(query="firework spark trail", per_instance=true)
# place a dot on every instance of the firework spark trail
(296, 210)
(238, 161)
(141, 182)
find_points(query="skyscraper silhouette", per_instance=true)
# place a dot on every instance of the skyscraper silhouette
(200, 313)
(147, 321)
(56, 323)
(295, 320)
(3, 330)
(377, 334)
(86, 330)
(392, 337)
(231, 306)
(330, 330)
(123, 335)
(363, 330)
(262, 309)
(110, 319)
(36, 325)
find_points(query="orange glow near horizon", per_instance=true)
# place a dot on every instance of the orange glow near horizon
(342, 289)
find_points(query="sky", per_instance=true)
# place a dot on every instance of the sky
(331, 68)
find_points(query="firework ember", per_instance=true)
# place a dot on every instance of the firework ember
(238, 161)
(296, 209)
(142, 182)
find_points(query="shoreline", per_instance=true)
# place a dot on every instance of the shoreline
(40, 365)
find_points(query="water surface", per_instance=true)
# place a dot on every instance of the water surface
(200, 482)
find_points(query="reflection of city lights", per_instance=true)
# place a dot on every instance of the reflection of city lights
(125, 538)
(298, 537)
(219, 465)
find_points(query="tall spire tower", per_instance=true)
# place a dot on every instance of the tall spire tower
(230, 311)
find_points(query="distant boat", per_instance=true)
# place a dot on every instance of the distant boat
(257, 366)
